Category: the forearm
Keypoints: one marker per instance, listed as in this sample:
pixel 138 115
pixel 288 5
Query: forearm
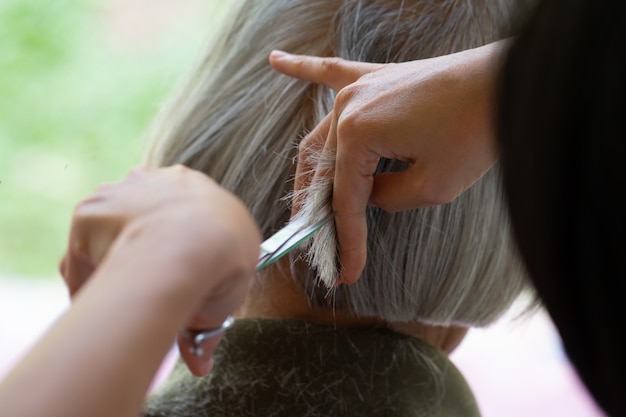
pixel 173 250
pixel 100 357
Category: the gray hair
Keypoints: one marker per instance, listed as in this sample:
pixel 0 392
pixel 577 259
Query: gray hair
pixel 239 121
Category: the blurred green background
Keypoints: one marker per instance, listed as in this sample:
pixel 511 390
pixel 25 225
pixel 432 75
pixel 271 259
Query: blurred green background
pixel 80 81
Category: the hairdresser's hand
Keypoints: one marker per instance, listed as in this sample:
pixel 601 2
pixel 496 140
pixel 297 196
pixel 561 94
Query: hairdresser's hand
pixel 184 231
pixel 434 114
pixel 160 251
pixel 99 219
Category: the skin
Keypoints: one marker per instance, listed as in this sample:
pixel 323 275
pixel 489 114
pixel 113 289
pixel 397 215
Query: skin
pixel 434 114
pixel 147 257
pixel 275 294
pixel 160 251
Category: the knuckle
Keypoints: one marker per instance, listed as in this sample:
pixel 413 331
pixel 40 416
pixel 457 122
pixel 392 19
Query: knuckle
pixel 178 172
pixel 304 150
pixel 102 194
pixel 299 66
pixel 349 128
pixel 330 65
pixel 345 96
pixel 311 144
pixel 84 209
pixel 179 168
pixel 306 143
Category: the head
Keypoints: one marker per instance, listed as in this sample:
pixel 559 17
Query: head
pixel 240 122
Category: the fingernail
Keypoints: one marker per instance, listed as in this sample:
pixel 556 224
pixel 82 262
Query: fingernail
pixel 278 54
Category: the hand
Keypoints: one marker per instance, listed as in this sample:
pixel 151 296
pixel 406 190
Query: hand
pixel 169 219
pixel 434 114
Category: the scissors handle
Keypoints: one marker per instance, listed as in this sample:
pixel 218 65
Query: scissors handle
pixel 197 337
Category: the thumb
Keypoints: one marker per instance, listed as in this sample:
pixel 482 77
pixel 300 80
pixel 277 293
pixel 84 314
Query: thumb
pixel 335 73
pixel 199 361
pixel 404 190
pixel 196 347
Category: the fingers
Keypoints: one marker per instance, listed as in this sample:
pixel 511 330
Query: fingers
pixel 88 243
pixel 353 182
pixel 311 145
pixel 351 193
pixel 75 270
pixel 96 223
pixel 353 172
pixel 335 73
pixel 199 363
pixel 196 348
pixel 349 215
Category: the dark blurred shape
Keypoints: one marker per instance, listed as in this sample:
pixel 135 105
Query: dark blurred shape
pixel 561 127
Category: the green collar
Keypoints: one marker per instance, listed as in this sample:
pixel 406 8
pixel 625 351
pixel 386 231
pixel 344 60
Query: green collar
pixel 286 368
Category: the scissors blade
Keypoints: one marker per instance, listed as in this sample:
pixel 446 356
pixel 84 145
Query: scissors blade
pixel 278 245
pixel 287 239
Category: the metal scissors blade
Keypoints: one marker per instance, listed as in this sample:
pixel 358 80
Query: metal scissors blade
pixel 278 245
pixel 287 239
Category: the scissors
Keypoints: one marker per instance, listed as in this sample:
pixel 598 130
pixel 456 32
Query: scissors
pixel 275 247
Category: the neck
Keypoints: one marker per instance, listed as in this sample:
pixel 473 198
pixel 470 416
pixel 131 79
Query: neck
pixel 275 294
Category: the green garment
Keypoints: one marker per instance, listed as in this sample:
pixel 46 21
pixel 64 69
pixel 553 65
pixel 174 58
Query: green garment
pixel 292 368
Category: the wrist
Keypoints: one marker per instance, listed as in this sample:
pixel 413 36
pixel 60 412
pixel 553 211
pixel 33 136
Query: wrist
pixel 150 264
pixel 182 264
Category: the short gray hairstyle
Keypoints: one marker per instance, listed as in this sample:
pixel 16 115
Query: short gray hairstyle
pixel 238 120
